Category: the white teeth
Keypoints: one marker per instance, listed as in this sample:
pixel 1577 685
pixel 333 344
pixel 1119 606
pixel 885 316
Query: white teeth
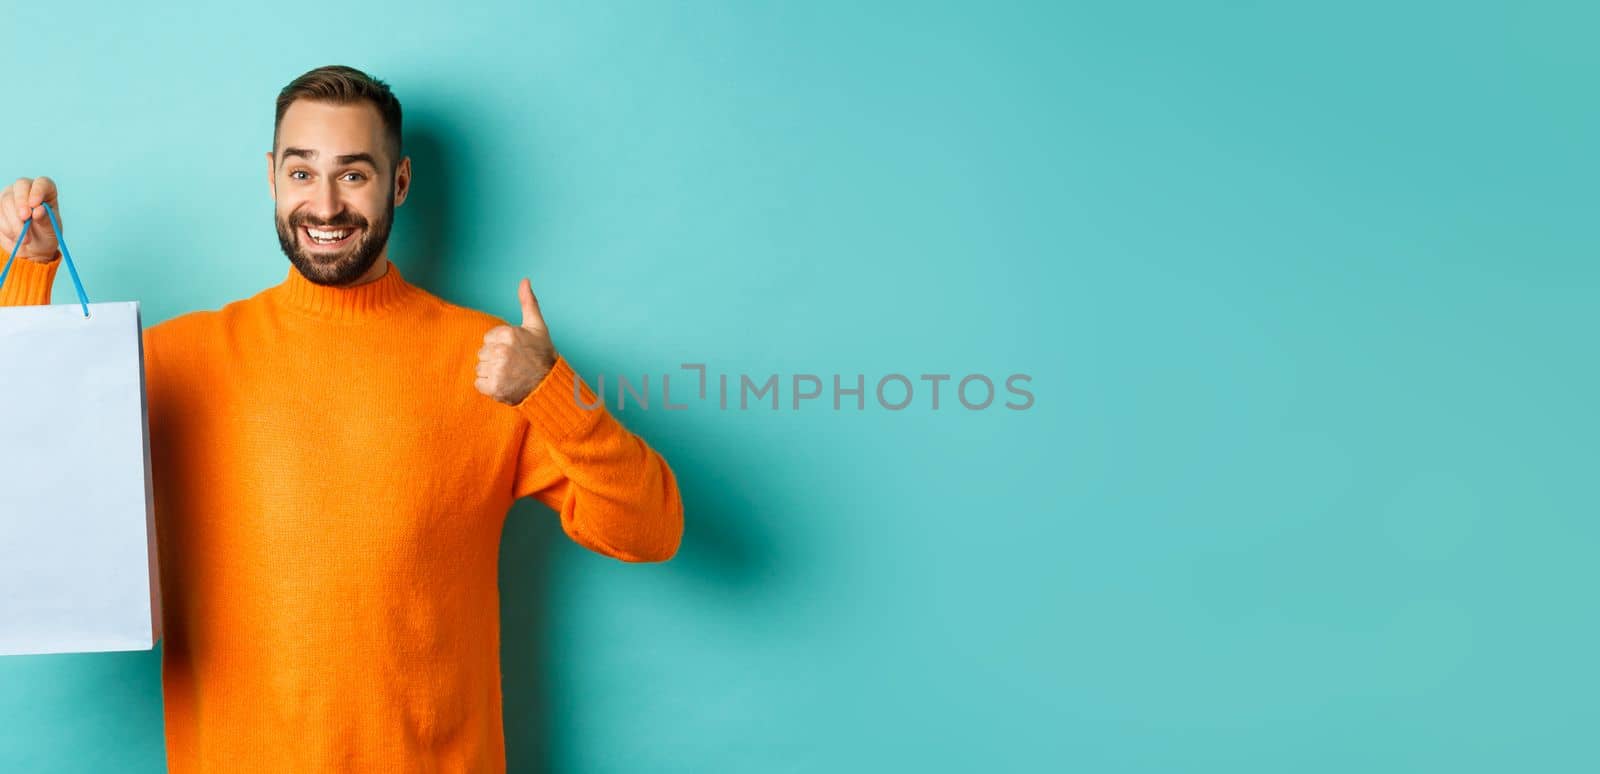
pixel 327 236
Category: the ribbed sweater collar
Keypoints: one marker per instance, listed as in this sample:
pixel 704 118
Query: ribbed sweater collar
pixel 344 304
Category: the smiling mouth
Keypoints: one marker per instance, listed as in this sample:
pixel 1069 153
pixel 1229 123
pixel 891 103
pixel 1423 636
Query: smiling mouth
pixel 328 237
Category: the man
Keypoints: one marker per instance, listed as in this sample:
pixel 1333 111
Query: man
pixel 333 460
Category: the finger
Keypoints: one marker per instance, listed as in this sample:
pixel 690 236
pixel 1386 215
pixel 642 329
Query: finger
pixel 19 195
pixel 42 218
pixel 10 224
pixel 531 316
pixel 43 190
pixel 499 334
pixel 41 228
pixel 17 214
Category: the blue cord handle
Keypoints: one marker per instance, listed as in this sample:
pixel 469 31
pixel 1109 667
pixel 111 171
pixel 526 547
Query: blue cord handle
pixel 83 298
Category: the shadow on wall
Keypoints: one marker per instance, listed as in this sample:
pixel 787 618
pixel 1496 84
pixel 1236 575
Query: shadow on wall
pixel 725 552
pixel 419 241
pixel 721 552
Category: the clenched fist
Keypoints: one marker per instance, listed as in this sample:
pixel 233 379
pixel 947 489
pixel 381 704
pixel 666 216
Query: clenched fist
pixel 20 201
pixel 514 360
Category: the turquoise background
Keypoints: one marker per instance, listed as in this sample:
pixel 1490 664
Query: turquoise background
pixel 1307 293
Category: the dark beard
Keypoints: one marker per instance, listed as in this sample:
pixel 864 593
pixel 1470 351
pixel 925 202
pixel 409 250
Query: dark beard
pixel 349 264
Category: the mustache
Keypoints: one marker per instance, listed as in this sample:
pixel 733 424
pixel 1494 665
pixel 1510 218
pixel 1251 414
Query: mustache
pixel 346 221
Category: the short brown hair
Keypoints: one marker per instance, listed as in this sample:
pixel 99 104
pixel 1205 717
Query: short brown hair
pixel 342 85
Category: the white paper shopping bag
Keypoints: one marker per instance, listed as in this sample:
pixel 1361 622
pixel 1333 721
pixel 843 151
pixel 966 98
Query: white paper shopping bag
pixel 78 567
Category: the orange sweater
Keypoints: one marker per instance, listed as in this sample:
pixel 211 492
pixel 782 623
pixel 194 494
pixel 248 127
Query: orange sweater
pixel 329 491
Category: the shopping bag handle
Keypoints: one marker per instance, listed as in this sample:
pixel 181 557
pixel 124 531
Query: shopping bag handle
pixel 83 298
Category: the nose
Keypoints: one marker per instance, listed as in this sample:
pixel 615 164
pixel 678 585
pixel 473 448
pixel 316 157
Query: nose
pixel 325 202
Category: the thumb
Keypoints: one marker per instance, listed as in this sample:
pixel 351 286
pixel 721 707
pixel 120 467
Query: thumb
pixel 531 317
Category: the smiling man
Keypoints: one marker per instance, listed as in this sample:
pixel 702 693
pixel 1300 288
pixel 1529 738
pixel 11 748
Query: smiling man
pixel 334 458
pixel 327 243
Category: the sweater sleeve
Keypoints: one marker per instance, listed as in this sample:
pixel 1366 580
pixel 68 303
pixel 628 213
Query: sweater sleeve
pixel 615 495
pixel 29 282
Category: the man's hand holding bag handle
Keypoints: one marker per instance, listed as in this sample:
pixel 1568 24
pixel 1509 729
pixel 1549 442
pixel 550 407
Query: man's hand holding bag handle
pixel 20 207
pixel 22 201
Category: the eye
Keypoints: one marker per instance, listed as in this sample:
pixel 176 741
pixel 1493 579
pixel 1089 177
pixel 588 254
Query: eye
pixel 298 172
pixel 356 175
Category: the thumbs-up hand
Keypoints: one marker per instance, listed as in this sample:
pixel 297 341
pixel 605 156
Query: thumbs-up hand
pixel 514 359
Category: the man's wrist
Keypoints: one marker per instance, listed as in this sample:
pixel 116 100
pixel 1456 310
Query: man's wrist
pixel 41 259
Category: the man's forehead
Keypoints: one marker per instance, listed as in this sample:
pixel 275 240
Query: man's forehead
pixel 325 130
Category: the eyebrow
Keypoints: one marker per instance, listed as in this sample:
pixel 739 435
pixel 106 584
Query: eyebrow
pixel 307 153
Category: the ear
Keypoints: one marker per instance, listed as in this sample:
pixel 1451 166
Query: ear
pixel 272 179
pixel 402 181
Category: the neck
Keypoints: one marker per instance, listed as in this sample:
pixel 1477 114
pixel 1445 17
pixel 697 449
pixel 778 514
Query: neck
pixel 376 293
pixel 379 268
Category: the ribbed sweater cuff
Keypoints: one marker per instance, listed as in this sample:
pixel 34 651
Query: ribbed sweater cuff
pixel 29 282
pixel 553 406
